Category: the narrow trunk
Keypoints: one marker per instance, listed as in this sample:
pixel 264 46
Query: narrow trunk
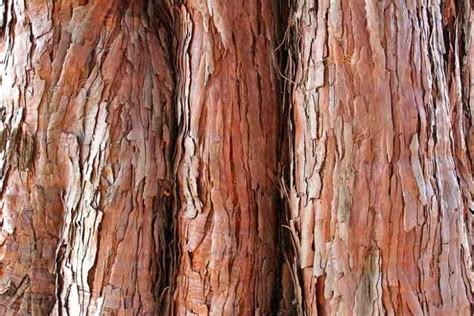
pixel 226 158
pixel 378 180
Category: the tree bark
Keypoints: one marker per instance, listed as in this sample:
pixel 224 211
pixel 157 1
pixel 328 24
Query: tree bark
pixel 379 177
pixel 85 157
pixel 191 157
pixel 226 158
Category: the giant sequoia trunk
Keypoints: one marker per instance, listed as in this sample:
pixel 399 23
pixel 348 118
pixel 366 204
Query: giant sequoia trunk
pixel 236 157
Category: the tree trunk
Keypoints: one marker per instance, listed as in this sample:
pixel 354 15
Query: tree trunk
pixel 86 150
pixel 226 158
pixel 218 157
pixel 379 178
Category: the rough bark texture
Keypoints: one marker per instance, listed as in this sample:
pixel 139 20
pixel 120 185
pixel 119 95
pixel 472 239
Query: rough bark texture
pixel 379 177
pixel 150 149
pixel 85 148
pixel 226 158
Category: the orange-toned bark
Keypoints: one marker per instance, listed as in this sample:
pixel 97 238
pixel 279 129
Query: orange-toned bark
pixel 379 179
pixel 86 102
pixel 150 149
pixel 226 158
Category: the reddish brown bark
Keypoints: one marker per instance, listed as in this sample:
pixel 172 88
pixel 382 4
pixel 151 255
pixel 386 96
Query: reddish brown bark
pixel 150 149
pixel 379 179
pixel 226 158
pixel 86 173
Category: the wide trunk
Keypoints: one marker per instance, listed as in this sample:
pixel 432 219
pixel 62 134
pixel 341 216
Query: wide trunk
pixel 378 177
pixel 85 163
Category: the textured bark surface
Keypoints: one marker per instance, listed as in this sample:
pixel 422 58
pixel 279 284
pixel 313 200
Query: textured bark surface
pixel 86 105
pixel 226 158
pixel 191 157
pixel 379 176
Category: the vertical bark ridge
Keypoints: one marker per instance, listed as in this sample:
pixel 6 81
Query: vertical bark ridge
pixel 31 203
pixel 226 157
pixel 375 209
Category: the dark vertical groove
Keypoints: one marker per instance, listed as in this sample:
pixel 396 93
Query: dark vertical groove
pixel 280 60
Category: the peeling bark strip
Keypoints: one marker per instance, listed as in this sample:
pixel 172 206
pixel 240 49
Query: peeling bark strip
pixel 227 114
pixel 85 157
pixel 379 176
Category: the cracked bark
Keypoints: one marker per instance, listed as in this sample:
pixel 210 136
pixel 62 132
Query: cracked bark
pixel 86 147
pixel 379 175
pixel 225 159
pixel 149 151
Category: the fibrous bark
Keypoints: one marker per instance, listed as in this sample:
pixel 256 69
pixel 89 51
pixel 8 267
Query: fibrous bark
pixel 226 159
pixel 86 175
pixel 379 177
pixel 236 157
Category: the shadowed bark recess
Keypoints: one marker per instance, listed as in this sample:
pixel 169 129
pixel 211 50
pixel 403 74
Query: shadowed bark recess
pixel 379 177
